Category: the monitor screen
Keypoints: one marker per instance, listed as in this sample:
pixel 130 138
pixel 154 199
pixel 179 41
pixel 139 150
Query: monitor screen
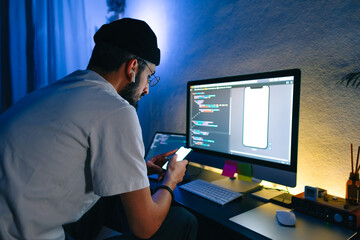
pixel 163 142
pixel 249 118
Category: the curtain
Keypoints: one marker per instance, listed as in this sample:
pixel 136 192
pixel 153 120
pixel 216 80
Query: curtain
pixel 41 41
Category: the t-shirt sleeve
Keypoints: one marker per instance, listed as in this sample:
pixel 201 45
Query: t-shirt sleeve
pixel 117 154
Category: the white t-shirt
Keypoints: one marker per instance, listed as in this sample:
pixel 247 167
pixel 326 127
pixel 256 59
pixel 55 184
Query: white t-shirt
pixel 61 148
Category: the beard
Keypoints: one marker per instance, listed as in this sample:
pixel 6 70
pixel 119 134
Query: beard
pixel 129 92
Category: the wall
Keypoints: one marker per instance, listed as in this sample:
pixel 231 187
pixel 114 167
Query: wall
pixel 206 39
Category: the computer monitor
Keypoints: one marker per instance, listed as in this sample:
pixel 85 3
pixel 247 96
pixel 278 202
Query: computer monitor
pixel 163 142
pixel 250 118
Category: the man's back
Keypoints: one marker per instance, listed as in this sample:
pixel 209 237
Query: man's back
pixel 47 166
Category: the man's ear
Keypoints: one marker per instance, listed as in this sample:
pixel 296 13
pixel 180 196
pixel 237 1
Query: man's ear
pixel 131 69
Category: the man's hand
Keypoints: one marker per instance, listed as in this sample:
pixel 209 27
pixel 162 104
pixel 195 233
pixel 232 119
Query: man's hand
pixel 175 172
pixel 154 164
pixel 145 213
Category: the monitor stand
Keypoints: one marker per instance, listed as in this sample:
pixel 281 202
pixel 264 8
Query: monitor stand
pixel 236 185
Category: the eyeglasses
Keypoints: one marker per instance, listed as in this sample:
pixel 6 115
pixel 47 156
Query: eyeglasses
pixel 153 80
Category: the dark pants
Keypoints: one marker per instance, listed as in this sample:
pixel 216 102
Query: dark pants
pixel 108 211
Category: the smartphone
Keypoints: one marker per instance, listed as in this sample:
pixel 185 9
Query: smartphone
pixel 256 117
pixel 181 153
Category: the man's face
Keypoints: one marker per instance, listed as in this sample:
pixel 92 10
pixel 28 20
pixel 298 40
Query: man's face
pixel 133 92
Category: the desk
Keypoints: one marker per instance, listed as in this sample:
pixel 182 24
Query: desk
pixel 214 219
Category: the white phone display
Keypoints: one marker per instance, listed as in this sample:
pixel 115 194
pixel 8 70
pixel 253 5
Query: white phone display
pixel 256 117
pixel 181 153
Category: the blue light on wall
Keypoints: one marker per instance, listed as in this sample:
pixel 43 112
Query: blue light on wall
pixel 207 39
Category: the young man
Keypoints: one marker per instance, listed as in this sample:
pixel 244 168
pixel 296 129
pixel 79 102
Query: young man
pixel 66 145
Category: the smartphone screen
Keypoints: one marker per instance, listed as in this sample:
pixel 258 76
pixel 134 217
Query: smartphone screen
pixel 181 153
pixel 256 117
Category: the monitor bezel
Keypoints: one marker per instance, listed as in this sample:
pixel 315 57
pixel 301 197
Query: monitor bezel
pixel 295 121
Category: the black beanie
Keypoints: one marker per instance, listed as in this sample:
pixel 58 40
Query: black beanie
pixel 132 35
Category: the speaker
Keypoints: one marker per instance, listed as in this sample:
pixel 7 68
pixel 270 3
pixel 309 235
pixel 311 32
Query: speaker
pixel 329 208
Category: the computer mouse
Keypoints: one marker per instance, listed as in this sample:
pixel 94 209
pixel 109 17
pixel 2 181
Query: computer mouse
pixel 286 217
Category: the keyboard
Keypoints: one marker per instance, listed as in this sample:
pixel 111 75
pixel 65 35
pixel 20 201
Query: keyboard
pixel 210 191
